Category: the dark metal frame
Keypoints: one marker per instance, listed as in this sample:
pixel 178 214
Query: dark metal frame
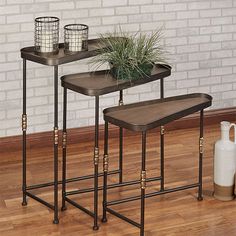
pixel 26 188
pixel 143 180
pixel 29 54
pixel 96 174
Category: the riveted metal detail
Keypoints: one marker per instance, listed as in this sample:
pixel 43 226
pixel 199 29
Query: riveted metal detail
pixel 201 145
pixel 64 139
pixel 24 122
pixel 96 156
pixel 105 163
pixel 121 103
pixel 143 180
pixel 56 135
pixel 162 130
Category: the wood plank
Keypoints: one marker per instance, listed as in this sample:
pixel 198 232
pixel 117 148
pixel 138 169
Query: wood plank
pixel 172 214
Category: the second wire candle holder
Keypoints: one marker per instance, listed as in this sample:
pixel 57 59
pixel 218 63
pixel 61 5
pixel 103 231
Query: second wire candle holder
pixel 75 38
pixel 46 35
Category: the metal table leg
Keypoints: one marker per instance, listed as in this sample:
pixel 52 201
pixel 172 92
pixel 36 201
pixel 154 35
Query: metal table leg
pixel 24 127
pixel 56 138
pixel 121 143
pixel 162 133
pixel 64 146
pixel 96 160
pixel 105 170
pixel 143 183
pixel 201 141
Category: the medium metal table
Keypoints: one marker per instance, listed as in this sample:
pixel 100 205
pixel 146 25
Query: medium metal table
pixel 96 84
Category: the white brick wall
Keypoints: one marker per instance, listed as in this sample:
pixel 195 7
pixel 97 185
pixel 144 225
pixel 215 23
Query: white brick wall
pixel 200 36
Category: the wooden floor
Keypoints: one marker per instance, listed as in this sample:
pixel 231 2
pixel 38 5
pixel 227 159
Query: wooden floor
pixel 171 214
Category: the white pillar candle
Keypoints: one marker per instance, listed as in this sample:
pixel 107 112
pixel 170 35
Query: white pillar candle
pixel 46 42
pixel 75 43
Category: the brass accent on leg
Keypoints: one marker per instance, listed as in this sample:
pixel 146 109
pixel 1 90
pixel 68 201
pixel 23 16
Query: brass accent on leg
pixel 201 145
pixel 105 163
pixel 121 103
pixel 162 130
pixel 64 139
pixel 143 179
pixel 24 122
pixel 56 135
pixel 96 156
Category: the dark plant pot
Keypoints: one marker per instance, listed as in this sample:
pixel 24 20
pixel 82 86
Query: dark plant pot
pixel 121 74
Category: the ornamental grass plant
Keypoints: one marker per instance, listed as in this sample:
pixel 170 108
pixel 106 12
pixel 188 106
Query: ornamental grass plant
pixel 130 56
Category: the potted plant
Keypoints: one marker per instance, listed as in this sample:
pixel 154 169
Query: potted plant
pixel 130 56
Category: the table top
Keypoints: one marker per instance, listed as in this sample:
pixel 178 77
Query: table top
pixel 102 82
pixel 61 57
pixel 146 115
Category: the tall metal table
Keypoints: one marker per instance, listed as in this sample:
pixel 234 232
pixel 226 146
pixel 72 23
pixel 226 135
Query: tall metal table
pixel 96 84
pixel 29 54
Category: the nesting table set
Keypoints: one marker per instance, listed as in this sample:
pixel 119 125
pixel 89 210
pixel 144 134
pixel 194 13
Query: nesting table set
pixel 142 116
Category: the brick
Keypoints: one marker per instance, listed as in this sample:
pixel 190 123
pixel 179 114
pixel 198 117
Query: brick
pixel 127 10
pixel 199 56
pixel 210 13
pixel 221 37
pixel 88 4
pixel 152 8
pixel 221 4
pixel 20 18
pixel 210 80
pixel 199 22
pixel 221 21
pixel 113 3
pixel 187 31
pixel 31 8
pixel 176 24
pixel 80 13
pixel 187 14
pixel 140 18
pixel 210 30
pixel 197 5
pixel 102 12
pixel 210 63
pixel 210 46
pixel 176 7
pixel 164 16
pixel 187 66
pixel 199 89
pixel 187 49
pixel 199 39
pixel 9 85
pixel 139 2
pixel 61 6
pixel 229 12
pixel 114 20
pixel 228 28
pixel 221 88
pixel 9 28
pixel 199 73
pixel 187 83
pixel 229 61
pixel 176 41
pixel 9 10
pixel 9 66
pixel 221 54
pixel 222 71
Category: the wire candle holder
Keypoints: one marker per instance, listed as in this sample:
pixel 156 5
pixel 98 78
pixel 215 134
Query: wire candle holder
pixel 46 35
pixel 75 38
